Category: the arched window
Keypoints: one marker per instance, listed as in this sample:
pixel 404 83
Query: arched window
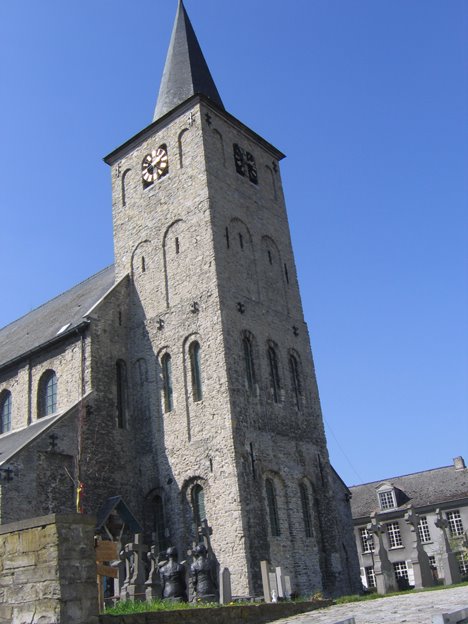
pixel 159 525
pixel 5 411
pixel 305 504
pixel 249 363
pixel 122 394
pixel 272 507
pixel 295 380
pixel 195 370
pixel 166 363
pixel 47 394
pixel 198 504
pixel 274 373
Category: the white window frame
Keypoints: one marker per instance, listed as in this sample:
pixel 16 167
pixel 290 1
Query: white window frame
pixel 367 541
pixel 455 523
pixel 423 530
pixel 386 497
pixel 394 535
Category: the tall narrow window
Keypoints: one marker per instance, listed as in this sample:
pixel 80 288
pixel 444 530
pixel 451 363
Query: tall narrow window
pixel 274 374
pixel 394 535
pixel 305 510
pixel 122 394
pixel 198 504
pixel 295 381
pixel 423 529
pixel 166 363
pixel 272 507
pixel 455 523
pixel 195 369
pixel 5 412
pixel 249 363
pixel 47 394
pixel 159 525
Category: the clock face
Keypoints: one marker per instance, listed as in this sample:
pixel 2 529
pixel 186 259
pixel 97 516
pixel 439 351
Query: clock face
pixel 148 169
pixel 155 165
pixel 161 161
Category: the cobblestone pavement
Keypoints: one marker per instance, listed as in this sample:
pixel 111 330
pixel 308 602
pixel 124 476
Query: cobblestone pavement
pixel 410 608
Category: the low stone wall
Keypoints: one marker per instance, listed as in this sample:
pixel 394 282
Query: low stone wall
pixel 248 614
pixel 48 571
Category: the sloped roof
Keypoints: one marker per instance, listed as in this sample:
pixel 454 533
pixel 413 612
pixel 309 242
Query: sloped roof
pixel 13 442
pixel 44 323
pixel 117 503
pixel 429 488
pixel 186 72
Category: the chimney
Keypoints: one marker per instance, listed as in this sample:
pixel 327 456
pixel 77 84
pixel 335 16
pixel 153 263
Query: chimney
pixel 459 463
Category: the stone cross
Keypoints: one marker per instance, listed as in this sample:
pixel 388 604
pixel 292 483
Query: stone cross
pixel 412 519
pixel 448 559
pixel 205 532
pixel 383 569
pixel 153 582
pixel 423 576
pixel 134 553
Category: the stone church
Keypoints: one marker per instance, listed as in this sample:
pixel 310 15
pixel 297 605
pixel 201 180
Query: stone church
pixel 181 378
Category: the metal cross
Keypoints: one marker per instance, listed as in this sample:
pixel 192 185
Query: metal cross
pixel 8 474
pixel 208 119
pixel 195 307
pixel 275 167
pixel 191 119
pixel 53 441
pixel 160 324
pixel 241 307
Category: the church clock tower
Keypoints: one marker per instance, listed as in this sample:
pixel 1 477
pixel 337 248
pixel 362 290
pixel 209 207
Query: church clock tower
pixel 230 424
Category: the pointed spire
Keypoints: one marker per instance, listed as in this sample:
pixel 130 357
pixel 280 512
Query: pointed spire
pixel 186 72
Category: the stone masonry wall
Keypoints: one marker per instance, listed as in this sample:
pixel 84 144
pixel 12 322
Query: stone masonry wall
pixel 48 571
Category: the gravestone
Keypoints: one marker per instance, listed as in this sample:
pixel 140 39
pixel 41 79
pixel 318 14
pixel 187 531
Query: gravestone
pixel 419 558
pixel 273 586
pixel 448 559
pixel 383 569
pixel 287 587
pixel 265 569
pixel 225 592
pixel 279 582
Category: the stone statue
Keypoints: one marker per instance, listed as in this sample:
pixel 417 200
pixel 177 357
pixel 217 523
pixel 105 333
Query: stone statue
pixel 202 576
pixel 173 577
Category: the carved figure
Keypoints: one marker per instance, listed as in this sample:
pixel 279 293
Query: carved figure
pixel 202 575
pixel 173 577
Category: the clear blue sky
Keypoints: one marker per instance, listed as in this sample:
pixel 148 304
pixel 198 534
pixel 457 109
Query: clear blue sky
pixel 368 98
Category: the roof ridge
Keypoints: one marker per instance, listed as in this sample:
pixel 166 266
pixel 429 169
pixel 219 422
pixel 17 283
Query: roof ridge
pixel 56 297
pixel 409 474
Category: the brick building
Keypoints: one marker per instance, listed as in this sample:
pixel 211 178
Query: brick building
pixel 434 495
pixel 180 378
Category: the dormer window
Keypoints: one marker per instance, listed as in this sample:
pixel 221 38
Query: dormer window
pixel 386 496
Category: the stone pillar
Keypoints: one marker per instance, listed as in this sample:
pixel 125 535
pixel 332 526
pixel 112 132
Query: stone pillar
pixel 48 571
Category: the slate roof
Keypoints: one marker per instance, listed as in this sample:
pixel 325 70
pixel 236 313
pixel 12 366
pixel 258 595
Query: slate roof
pixel 186 72
pixel 43 324
pixel 429 488
pixel 11 443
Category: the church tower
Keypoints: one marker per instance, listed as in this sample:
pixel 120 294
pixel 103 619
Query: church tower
pixel 229 423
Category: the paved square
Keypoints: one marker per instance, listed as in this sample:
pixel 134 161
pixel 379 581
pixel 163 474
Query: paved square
pixel 412 608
